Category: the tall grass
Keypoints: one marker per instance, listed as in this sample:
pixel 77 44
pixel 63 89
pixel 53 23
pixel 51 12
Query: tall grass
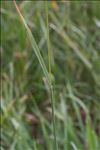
pixel 46 72
pixel 50 76
pixel 63 42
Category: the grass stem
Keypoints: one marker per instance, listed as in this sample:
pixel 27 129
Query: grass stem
pixel 50 75
pixel 42 63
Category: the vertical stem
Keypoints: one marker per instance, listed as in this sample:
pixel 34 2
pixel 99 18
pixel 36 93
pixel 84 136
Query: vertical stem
pixel 48 39
pixel 41 61
pixel 51 85
pixel 53 118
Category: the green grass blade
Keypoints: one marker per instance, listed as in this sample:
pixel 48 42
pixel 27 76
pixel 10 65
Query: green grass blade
pixel 41 61
pixel 34 45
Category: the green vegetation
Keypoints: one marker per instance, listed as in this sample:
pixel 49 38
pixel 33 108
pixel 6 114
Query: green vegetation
pixel 50 61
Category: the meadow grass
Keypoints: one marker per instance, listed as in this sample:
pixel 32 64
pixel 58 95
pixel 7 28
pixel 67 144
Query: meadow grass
pixel 50 77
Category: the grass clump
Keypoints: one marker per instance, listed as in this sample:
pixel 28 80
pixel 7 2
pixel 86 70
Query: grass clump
pixel 66 91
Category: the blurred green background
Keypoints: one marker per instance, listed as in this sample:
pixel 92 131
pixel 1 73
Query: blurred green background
pixel 26 122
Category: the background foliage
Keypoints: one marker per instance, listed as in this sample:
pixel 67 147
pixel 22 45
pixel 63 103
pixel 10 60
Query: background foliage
pixel 26 120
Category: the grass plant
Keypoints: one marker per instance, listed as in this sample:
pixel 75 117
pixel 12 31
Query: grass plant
pixel 50 75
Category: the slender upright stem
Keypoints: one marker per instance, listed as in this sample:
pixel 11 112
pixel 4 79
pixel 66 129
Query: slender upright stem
pixel 50 73
pixel 42 63
pixel 48 39
pixel 53 118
